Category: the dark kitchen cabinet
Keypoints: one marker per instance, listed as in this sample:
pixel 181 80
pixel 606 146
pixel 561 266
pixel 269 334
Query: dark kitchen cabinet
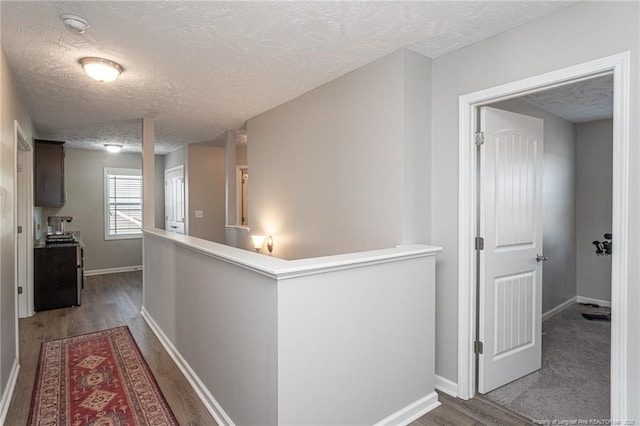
pixel 49 173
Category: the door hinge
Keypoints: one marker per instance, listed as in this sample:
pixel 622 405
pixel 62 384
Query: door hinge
pixel 20 290
pixel 479 243
pixel 19 168
pixel 478 347
pixel 19 229
pixel 479 138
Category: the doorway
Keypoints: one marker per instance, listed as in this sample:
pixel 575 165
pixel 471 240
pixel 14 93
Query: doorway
pixel 24 223
pixel 571 370
pixel 174 199
pixel 618 65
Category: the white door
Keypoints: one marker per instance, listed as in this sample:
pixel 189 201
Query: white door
pixel 174 207
pixel 510 287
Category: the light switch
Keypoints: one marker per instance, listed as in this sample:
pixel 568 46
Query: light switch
pixel 199 214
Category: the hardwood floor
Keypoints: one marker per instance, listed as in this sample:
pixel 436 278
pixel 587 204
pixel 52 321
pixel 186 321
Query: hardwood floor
pixel 476 411
pixel 107 301
pixel 115 299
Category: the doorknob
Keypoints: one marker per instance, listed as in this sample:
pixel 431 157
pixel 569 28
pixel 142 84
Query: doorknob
pixel 541 258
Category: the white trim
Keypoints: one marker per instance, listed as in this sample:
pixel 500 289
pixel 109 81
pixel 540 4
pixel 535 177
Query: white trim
pixel 5 402
pixel 620 66
pixel 22 144
pixel 240 227
pixel 184 199
pixel 112 270
pixel 412 412
pixel 604 303
pixel 281 269
pixel 561 307
pixel 239 169
pixel 447 386
pixel 119 171
pixel 210 403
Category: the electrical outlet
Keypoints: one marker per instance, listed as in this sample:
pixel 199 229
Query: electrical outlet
pixel 199 214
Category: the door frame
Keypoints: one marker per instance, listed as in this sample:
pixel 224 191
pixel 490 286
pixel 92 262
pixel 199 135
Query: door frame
pixel 239 195
pixel 619 66
pixel 24 202
pixel 24 259
pixel 184 194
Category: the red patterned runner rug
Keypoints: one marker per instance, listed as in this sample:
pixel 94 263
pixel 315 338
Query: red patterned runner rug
pixel 96 379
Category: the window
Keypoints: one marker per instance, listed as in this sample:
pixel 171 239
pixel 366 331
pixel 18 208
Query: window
pixel 123 203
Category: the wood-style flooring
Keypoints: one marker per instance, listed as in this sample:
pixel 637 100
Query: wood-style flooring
pixel 107 301
pixel 115 299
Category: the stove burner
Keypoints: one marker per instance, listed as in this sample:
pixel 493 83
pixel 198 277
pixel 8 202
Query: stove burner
pixel 60 238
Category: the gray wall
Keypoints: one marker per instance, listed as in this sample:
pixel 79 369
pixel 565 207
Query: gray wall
pixel 204 181
pixel 594 200
pixel 559 204
pixel 11 108
pixel 84 183
pixel 206 192
pixel 577 34
pixel 337 169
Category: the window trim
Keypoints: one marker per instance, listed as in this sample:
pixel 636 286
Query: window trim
pixel 117 171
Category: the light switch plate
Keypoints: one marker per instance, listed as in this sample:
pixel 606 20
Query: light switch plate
pixel 199 214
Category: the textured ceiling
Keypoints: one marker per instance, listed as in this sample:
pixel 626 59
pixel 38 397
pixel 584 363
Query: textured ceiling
pixel 580 102
pixel 203 67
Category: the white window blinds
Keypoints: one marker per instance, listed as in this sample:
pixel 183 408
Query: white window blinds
pixel 123 201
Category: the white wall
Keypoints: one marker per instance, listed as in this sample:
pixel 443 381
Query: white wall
pixel 84 184
pixel 559 204
pixel 594 199
pixel 11 108
pixel 355 346
pixel 577 34
pixel 223 321
pixel 341 340
pixel 337 169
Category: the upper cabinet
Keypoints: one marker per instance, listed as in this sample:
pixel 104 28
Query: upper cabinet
pixel 49 173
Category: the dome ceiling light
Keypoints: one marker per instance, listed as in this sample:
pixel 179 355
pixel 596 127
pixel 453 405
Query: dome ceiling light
pixel 100 69
pixel 112 147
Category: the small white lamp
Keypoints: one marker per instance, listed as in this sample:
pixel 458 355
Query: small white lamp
pixel 258 241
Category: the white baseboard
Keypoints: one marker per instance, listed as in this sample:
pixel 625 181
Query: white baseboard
pixel 605 303
pixel 113 270
pixel 412 411
pixel 201 390
pixel 561 307
pixel 447 386
pixel 5 401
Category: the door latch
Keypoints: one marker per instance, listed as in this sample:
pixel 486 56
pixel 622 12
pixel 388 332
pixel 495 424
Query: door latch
pixel 541 258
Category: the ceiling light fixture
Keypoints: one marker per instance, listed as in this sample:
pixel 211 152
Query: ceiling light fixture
pixel 75 23
pixel 112 147
pixel 100 69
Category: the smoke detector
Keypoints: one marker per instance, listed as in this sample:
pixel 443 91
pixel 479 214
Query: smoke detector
pixel 76 24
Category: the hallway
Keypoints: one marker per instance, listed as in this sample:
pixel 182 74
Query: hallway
pixel 107 301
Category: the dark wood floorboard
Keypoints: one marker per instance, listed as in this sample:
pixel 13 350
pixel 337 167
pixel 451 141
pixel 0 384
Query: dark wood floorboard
pixel 115 299
pixel 107 301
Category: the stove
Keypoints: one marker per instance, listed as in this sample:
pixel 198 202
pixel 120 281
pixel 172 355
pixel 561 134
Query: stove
pixel 64 238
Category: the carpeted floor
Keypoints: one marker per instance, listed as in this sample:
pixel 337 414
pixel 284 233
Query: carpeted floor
pixel 573 383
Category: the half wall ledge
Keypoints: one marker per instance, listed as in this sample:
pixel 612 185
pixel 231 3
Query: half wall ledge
pixel 345 339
